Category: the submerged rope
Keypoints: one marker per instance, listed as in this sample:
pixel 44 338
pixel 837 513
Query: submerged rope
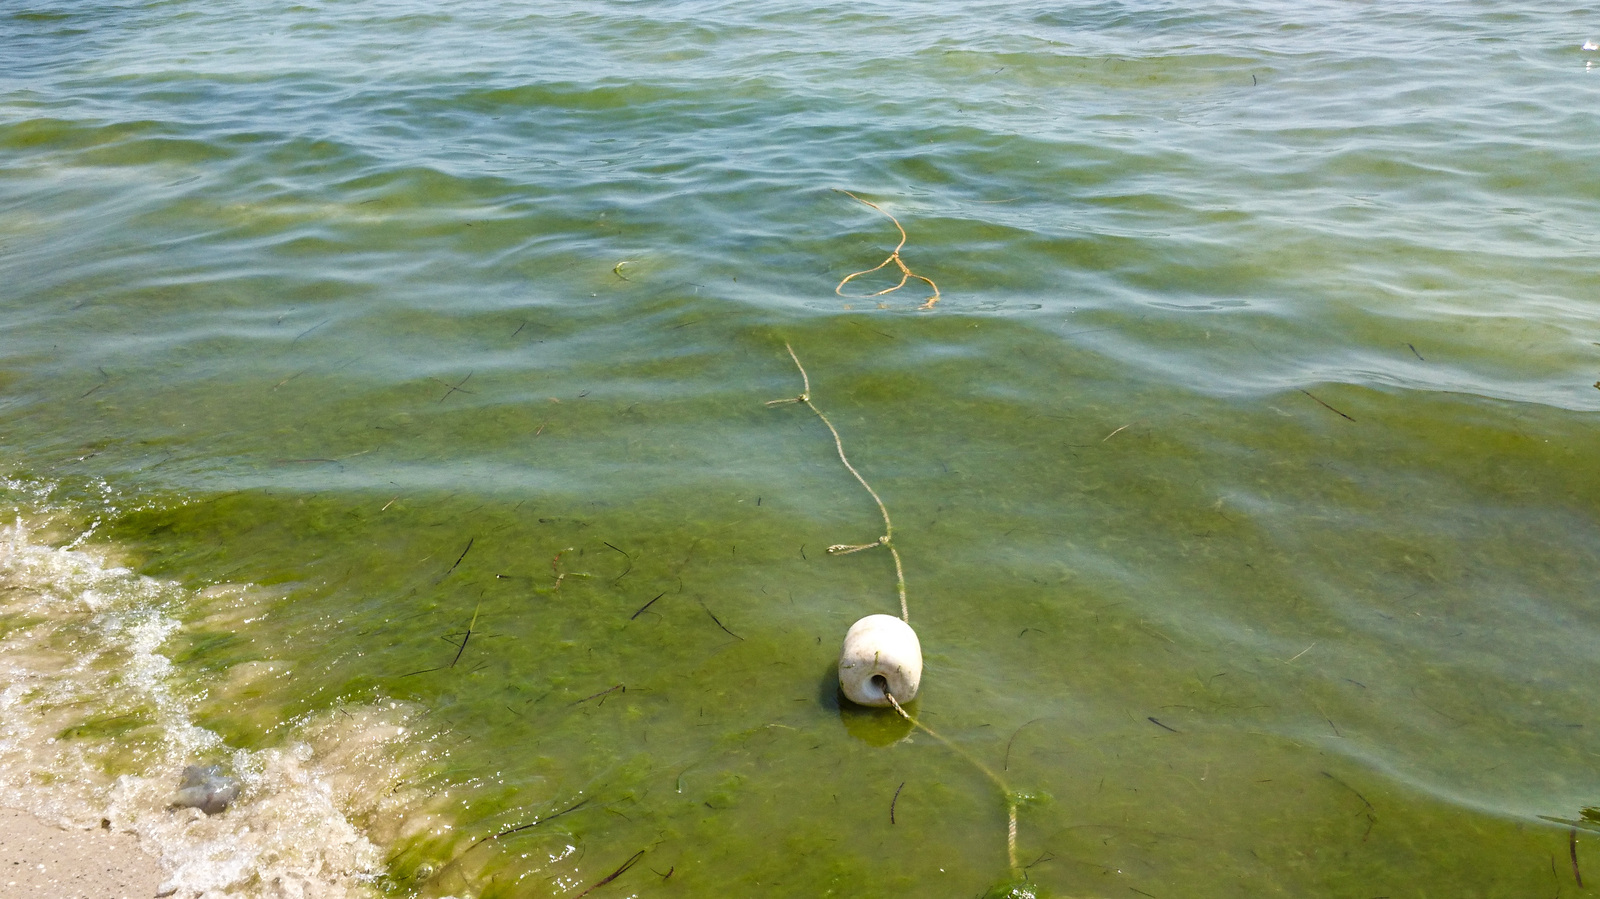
pixel 887 541
pixel 844 549
pixel 1011 800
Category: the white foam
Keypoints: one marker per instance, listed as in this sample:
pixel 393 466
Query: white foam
pixel 84 648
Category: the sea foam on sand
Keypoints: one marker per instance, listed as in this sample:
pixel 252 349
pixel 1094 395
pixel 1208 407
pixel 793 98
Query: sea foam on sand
pixel 96 728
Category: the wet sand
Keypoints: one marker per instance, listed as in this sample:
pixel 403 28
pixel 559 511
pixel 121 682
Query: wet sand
pixel 48 862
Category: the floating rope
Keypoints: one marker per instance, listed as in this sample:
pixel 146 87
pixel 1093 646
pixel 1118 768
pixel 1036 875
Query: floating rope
pixel 906 274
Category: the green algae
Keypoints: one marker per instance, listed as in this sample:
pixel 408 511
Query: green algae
pixel 665 651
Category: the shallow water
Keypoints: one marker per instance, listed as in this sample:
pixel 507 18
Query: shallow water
pixel 383 413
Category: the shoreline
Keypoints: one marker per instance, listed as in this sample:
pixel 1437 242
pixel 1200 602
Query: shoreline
pixel 96 810
pixel 40 859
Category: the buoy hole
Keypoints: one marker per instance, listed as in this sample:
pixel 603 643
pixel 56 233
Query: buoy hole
pixel 882 683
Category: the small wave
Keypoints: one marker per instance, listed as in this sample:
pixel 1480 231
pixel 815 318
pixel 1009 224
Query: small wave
pixel 96 725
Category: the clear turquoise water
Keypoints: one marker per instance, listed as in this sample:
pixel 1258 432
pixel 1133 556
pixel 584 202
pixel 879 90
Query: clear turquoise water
pixel 1239 470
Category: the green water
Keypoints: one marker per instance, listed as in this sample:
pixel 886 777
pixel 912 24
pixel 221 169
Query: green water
pixel 1238 472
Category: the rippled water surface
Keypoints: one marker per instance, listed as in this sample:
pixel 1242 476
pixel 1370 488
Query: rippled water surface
pixel 383 416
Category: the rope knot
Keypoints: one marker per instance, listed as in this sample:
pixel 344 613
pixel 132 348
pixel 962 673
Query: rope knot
pixel 845 549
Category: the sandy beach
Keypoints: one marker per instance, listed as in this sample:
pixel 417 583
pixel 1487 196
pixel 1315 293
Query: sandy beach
pixel 41 860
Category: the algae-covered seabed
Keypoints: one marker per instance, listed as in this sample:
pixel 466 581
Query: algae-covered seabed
pixel 1242 473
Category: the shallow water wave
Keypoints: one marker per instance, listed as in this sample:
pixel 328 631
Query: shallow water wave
pixel 96 726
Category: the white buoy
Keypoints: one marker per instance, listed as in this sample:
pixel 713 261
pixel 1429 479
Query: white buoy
pixel 880 651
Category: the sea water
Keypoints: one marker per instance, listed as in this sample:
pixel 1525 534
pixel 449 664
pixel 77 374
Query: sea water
pixel 383 419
